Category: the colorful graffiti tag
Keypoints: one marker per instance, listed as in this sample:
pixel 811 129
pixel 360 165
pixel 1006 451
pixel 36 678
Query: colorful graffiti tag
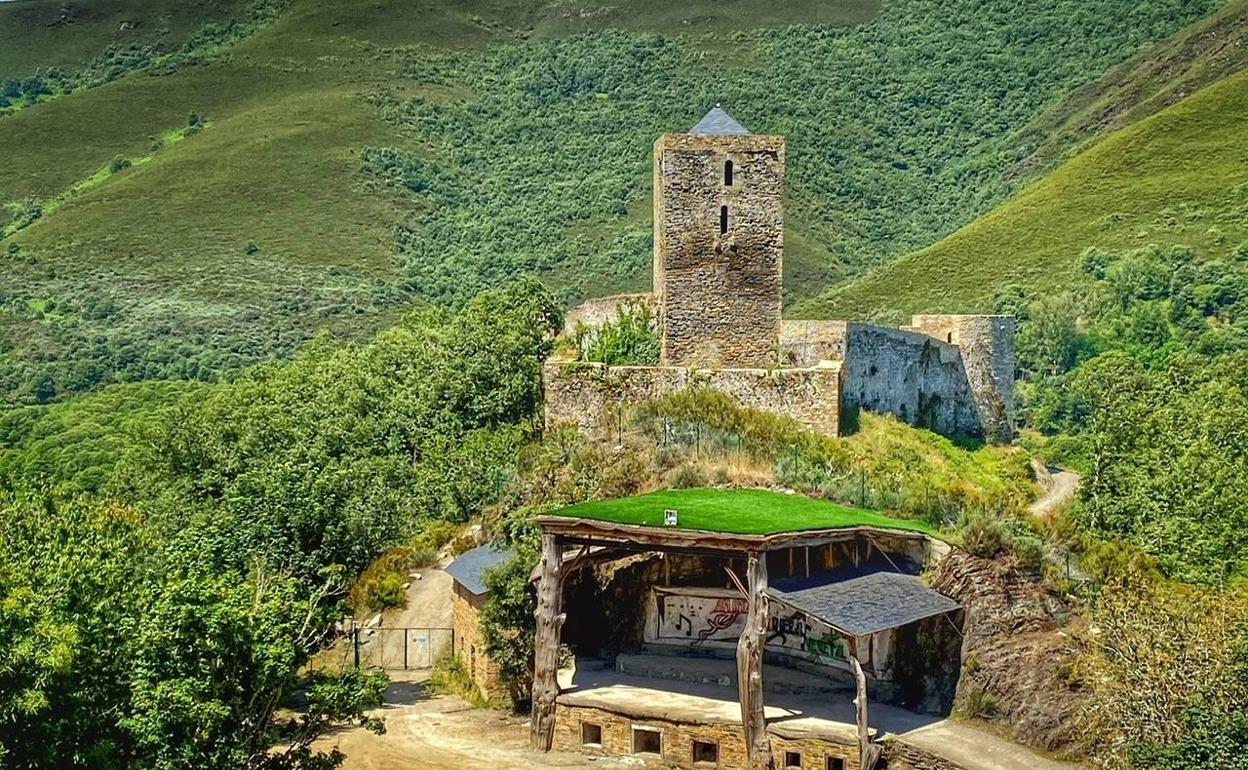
pixel 697 618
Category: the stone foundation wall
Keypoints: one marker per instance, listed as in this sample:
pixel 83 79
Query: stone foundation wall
pixel 596 398
pixel 899 755
pixel 678 738
pixel 470 645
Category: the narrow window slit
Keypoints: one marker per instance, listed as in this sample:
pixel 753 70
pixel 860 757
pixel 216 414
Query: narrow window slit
pixel 728 173
pixel 723 219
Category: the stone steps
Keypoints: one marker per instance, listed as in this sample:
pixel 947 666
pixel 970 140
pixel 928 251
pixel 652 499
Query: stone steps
pixel 723 673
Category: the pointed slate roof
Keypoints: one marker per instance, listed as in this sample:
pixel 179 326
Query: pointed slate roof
pixel 718 122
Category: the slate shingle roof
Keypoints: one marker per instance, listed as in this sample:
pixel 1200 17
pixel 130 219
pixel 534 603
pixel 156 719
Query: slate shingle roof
pixel 469 567
pixel 718 122
pixel 863 601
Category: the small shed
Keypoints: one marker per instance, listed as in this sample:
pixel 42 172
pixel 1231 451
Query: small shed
pixel 467 572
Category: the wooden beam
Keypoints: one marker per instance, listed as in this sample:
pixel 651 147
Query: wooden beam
pixel 868 752
pixel 607 533
pixel 750 665
pixel 550 618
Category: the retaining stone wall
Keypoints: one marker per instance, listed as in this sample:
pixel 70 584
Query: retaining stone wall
pixel 678 738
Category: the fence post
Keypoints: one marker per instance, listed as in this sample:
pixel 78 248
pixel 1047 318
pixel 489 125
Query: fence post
pixel 355 635
pixel 862 490
pixel 406 631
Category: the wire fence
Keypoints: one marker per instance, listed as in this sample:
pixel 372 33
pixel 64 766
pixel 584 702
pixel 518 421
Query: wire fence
pixel 399 649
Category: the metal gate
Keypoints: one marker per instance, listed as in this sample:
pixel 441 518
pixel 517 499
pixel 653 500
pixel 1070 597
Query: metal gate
pixel 401 649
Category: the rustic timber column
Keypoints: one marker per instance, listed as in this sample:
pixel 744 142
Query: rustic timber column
pixel 550 619
pixel 868 751
pixel 750 665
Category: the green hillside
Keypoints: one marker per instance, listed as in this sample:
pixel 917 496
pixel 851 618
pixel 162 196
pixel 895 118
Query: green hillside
pixel 360 158
pixel 37 34
pixel 1179 177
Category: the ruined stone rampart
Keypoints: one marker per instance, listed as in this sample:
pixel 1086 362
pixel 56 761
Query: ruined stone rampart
pixel 915 377
pixel 596 397
pixel 596 313
pixel 986 343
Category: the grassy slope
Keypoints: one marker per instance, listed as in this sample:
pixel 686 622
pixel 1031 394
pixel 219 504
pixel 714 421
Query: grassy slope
pixel 739 511
pixel 37 34
pixel 1199 55
pixel 1178 177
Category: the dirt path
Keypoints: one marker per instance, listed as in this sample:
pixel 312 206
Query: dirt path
pixel 428 602
pixel 1061 491
pixel 977 749
pixel 443 733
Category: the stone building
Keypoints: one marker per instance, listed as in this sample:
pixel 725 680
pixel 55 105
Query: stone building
pixel 718 257
pixel 468 595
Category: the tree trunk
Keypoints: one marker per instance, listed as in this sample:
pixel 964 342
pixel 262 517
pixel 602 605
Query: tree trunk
pixel 550 619
pixel 868 751
pixel 750 665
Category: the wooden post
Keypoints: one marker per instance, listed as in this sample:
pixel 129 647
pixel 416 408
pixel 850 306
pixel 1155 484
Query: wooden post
pixel 750 664
pixel 550 617
pixel 868 751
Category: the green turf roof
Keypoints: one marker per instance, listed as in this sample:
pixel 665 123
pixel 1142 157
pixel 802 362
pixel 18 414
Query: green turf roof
pixel 736 511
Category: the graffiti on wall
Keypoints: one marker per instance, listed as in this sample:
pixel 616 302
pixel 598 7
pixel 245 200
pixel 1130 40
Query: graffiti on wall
pixel 695 618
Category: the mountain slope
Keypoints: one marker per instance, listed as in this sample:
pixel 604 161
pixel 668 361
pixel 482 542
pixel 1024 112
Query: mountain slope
pixel 360 157
pixel 1178 177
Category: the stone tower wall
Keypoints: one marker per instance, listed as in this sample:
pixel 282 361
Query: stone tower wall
pixel 718 293
pixel 987 346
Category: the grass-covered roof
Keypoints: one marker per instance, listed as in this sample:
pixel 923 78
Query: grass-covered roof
pixel 735 511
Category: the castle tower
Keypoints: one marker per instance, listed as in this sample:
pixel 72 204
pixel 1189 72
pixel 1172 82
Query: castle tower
pixel 718 244
pixel 986 343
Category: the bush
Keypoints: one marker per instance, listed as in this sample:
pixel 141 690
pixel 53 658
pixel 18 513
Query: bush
pixel 630 340
pixel 118 164
pixel 983 536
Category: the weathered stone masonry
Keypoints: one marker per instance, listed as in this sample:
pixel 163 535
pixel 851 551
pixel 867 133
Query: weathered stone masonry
pixel 595 397
pixel 718 245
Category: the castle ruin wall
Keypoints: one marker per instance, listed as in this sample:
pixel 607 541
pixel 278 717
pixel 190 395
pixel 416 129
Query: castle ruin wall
pixel 919 379
pixel 596 398
pixel 986 343
pixel 806 343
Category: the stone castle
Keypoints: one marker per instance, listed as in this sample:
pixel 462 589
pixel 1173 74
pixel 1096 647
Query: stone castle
pixel 718 253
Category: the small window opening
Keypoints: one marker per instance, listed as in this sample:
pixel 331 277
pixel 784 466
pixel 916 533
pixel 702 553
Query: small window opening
pixel 647 741
pixel 591 734
pixel 706 751
pixel 728 173
pixel 723 219
pixel 949 338
pixel 835 763
pixel 792 759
